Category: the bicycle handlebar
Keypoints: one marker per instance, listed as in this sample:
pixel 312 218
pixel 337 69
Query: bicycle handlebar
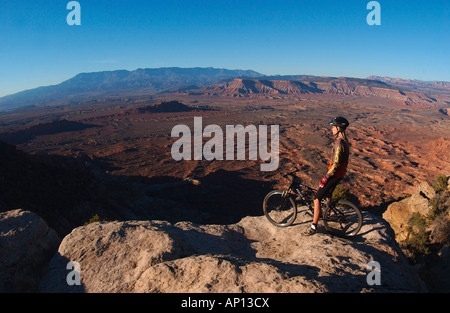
pixel 290 173
pixel 297 178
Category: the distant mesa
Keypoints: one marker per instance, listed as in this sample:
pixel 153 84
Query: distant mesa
pixel 165 107
pixel 261 87
pixel 413 84
pixel 161 107
pixel 257 87
pixel 311 85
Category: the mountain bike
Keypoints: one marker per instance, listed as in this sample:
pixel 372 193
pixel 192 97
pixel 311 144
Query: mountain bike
pixel 340 217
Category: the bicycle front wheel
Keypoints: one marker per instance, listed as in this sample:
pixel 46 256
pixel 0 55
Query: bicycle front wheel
pixel 279 208
pixel 343 219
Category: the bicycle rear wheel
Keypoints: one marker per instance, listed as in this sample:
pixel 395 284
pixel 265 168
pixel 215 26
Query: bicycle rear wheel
pixel 343 219
pixel 279 208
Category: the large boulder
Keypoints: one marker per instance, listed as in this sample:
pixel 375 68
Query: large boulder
pixel 26 246
pixel 399 213
pixel 250 256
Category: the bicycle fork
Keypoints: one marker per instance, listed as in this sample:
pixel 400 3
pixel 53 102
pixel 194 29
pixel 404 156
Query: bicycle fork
pixel 285 196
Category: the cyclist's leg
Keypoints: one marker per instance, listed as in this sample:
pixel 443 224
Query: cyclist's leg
pixel 327 189
pixel 322 192
pixel 335 181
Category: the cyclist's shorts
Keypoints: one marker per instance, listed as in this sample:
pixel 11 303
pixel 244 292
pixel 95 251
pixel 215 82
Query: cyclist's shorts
pixel 328 188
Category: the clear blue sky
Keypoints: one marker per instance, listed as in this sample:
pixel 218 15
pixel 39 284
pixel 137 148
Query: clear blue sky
pixel 317 37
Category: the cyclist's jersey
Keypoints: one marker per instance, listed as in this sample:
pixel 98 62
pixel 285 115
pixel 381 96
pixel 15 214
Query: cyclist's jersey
pixel 339 157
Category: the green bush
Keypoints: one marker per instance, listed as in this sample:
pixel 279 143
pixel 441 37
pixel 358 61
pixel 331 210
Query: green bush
pixel 428 233
pixel 417 242
pixel 440 183
pixel 340 192
pixel 439 204
pixel 95 219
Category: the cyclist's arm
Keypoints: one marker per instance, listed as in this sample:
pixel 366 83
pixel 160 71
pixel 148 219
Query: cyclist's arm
pixel 337 159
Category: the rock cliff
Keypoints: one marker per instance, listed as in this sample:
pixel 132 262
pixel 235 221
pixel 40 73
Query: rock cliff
pixel 398 213
pixel 249 256
pixel 421 224
pixel 240 87
pixel 26 246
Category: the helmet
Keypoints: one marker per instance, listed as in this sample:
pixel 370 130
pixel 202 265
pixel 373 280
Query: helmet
pixel 339 121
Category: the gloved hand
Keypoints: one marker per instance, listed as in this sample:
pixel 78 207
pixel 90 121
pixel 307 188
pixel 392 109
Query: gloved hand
pixel 323 181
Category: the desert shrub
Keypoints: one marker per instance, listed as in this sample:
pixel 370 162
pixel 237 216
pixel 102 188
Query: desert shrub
pixel 428 234
pixel 440 183
pixel 417 223
pixel 95 219
pixel 340 192
pixel 439 204
pixel 440 229
pixel 417 242
pixel 439 217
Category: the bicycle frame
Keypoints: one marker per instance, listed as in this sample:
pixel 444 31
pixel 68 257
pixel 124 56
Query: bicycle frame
pixel 295 185
pixel 341 217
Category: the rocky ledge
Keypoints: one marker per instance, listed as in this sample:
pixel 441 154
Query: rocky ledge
pixel 249 256
pixel 26 246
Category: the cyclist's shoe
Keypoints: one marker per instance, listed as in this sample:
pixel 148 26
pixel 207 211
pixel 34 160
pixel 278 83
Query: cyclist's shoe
pixel 309 232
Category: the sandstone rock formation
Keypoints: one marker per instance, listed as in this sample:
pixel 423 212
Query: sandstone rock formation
pixel 422 228
pixel 26 246
pixel 314 85
pixel 399 213
pixel 249 256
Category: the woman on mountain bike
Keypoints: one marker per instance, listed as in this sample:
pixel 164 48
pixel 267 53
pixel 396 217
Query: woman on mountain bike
pixel 336 169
